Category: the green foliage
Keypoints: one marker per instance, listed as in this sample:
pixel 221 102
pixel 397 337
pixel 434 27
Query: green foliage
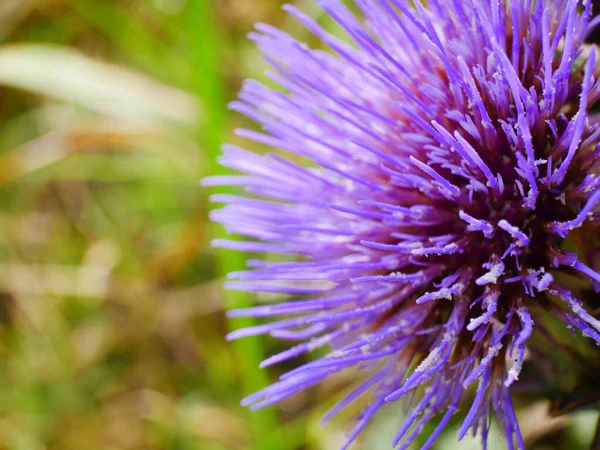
pixel 112 318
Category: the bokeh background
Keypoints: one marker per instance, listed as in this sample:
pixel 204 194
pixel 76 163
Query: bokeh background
pixel 111 313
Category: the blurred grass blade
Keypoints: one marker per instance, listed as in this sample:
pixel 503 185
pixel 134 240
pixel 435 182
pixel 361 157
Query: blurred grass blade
pixel 71 76
pixel 53 279
pixel 91 136
pixel 249 351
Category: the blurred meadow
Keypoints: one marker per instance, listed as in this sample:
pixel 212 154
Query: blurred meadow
pixel 111 312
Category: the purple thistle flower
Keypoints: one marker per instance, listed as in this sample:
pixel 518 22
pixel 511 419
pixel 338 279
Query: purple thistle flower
pixel 437 166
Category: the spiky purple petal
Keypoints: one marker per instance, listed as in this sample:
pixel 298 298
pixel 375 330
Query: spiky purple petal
pixel 433 171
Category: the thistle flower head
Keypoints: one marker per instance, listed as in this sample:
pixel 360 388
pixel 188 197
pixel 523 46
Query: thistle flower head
pixel 438 188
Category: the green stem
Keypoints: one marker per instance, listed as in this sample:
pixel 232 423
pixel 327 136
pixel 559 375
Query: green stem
pixel 206 45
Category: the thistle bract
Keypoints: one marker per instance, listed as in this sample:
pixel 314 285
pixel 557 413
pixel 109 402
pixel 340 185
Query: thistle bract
pixel 435 183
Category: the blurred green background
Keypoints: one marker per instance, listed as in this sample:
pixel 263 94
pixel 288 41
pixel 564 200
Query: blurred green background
pixel 111 313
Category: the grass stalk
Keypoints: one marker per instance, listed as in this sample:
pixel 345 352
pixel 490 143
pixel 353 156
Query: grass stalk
pixel 206 45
